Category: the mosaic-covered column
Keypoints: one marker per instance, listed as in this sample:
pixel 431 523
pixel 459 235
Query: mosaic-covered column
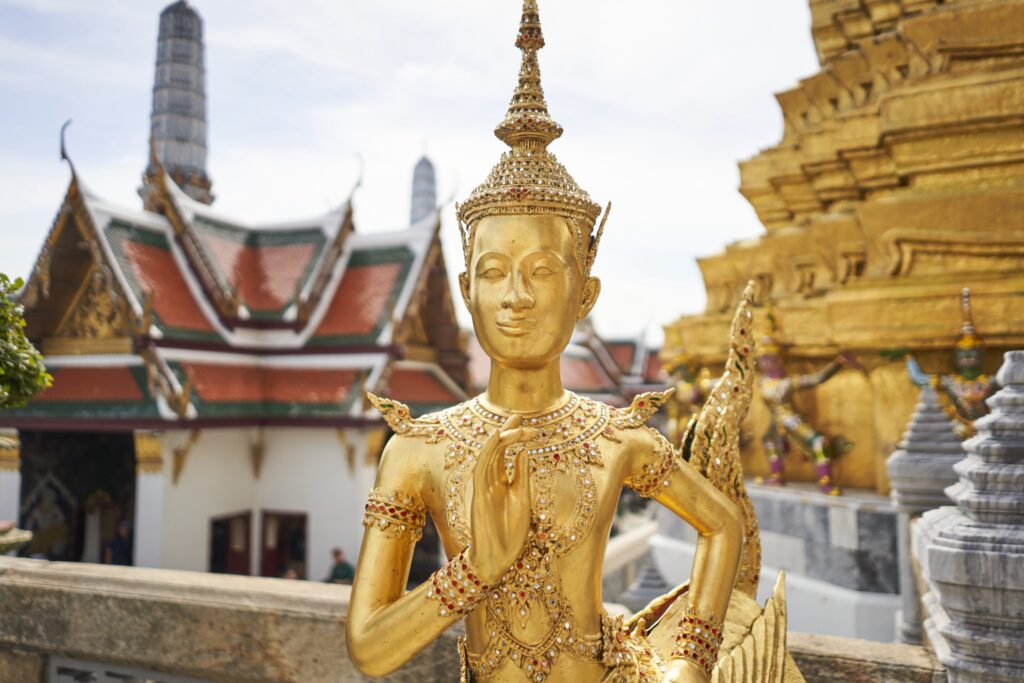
pixel 149 499
pixel 972 555
pixel 920 471
pixel 10 475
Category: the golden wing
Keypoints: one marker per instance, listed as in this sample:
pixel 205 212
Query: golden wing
pixel 759 656
pixel 712 438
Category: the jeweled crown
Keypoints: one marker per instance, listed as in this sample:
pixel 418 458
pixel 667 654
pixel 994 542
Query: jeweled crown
pixel 529 179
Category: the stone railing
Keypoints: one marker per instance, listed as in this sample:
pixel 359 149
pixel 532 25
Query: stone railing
pixel 59 621
pixel 205 627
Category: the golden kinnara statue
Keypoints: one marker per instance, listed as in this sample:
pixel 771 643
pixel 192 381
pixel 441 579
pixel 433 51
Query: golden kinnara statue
pixel 522 481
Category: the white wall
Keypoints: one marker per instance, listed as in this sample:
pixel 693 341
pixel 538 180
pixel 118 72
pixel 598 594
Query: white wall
pixel 304 471
pixel 10 495
pixel 217 480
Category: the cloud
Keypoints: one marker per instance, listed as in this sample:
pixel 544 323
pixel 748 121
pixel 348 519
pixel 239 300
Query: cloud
pixel 659 100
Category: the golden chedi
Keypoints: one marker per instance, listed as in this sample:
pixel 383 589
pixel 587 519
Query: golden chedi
pixel 898 181
pixel 522 481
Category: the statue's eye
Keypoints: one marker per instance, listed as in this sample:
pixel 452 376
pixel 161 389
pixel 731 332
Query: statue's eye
pixel 542 271
pixel 492 274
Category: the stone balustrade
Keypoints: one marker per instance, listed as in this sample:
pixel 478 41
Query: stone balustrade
pixel 176 627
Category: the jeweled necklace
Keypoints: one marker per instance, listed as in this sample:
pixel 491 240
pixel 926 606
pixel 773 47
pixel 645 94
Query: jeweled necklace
pixel 566 444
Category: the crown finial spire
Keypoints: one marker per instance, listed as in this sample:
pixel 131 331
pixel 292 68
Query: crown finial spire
pixel 968 336
pixel 528 125
pixel 528 179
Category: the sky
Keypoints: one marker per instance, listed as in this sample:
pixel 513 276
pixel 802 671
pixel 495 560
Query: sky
pixel 659 100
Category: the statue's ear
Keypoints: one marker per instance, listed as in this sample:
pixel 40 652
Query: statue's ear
pixel 464 287
pixel 591 290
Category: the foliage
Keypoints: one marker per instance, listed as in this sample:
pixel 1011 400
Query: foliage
pixel 22 374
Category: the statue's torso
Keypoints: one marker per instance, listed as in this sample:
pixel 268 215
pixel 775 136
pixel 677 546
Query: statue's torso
pixel 545 618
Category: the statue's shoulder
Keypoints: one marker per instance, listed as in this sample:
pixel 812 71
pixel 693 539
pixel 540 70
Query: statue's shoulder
pixel 640 410
pixel 403 424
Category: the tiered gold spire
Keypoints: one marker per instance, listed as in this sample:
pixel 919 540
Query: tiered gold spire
pixel 529 179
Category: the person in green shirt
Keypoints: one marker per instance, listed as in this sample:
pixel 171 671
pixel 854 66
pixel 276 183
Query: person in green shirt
pixel 341 571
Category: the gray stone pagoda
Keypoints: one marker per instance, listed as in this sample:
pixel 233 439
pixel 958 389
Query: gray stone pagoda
pixel 178 119
pixel 920 471
pixel 972 556
pixel 424 191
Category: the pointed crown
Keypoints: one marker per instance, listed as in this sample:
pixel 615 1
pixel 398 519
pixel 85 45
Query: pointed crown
pixel 769 344
pixel 969 339
pixel 528 179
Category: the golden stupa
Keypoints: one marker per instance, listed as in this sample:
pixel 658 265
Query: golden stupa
pixel 899 180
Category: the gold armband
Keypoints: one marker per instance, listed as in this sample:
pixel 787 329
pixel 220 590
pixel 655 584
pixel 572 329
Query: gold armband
pixel 396 514
pixel 654 476
pixel 457 587
pixel 698 640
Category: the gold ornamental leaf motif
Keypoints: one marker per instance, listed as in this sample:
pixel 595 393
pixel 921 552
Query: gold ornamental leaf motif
pixel 712 436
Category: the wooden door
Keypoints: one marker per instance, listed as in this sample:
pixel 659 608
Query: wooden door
pixel 229 544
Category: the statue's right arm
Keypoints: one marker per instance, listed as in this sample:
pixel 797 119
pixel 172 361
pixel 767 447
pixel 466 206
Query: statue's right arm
pixel 387 626
pixel 917 376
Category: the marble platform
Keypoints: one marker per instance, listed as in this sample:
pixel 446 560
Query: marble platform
pixel 839 554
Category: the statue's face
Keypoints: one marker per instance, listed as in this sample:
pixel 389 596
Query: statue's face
pixel 968 361
pixel 525 288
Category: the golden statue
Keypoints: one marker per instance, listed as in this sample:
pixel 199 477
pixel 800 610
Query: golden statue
pixel 962 394
pixel 522 481
pixel 692 383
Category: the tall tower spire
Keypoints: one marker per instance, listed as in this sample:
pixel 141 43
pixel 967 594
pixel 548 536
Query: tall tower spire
pixel 424 191
pixel 178 119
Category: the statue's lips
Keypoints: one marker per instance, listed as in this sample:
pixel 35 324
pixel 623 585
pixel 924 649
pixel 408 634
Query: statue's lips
pixel 517 328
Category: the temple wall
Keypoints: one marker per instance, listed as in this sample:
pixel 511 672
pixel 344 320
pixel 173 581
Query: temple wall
pixel 215 481
pixel 306 471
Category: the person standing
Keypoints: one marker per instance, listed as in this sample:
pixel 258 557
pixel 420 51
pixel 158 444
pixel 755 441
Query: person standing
pixel 341 570
pixel 120 549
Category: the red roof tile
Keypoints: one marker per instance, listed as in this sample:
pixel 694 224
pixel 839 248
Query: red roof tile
pixel 215 382
pixel 155 271
pixel 654 370
pixel 309 385
pixel 584 374
pixel 623 354
pixel 411 385
pixel 116 383
pixel 267 276
pixel 360 300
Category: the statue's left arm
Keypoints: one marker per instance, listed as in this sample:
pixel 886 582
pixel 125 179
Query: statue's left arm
pixel 660 473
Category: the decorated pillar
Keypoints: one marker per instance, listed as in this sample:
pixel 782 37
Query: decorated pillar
pixel 149 498
pixel 920 471
pixel 972 555
pixel 10 475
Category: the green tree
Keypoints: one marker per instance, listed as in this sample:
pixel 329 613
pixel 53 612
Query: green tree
pixel 22 374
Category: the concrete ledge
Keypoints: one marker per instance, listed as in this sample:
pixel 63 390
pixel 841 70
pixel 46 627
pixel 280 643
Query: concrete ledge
pixel 224 629
pixel 823 659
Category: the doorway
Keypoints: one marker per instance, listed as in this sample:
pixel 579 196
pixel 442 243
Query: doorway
pixel 76 488
pixel 283 545
pixel 229 544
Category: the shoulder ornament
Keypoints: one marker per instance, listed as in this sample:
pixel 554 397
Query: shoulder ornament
pixel 640 410
pixel 401 421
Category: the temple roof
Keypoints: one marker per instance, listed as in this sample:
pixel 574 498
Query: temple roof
pixel 180 314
